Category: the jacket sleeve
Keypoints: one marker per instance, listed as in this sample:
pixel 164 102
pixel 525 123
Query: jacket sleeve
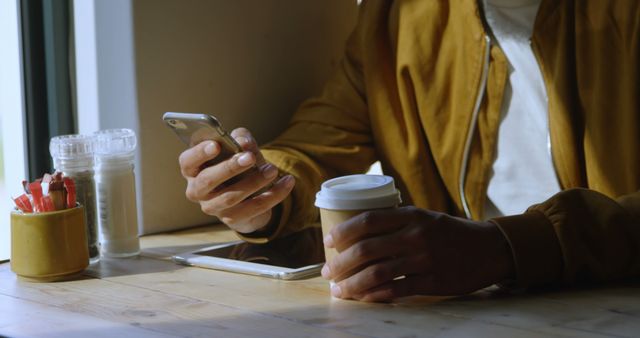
pixel 578 235
pixel 328 136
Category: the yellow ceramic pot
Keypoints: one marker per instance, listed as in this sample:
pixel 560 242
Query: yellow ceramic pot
pixel 49 246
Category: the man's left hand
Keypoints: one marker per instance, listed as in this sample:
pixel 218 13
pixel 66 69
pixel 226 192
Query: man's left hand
pixel 391 253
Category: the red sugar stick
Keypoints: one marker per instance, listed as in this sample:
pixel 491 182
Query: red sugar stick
pixel 36 193
pixel 23 203
pixel 47 204
pixel 70 186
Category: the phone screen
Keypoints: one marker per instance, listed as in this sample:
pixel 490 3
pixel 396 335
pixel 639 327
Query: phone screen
pixel 294 251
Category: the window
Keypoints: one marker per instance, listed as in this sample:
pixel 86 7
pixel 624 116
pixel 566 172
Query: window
pixel 4 233
pixel 12 136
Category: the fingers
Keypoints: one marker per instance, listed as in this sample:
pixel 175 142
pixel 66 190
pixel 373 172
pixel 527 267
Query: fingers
pixel 239 215
pixel 222 192
pixel 248 143
pixel 380 274
pixel 367 224
pixel 200 187
pixel 229 196
pixel 363 253
pixel 403 287
pixel 192 159
pixel 252 224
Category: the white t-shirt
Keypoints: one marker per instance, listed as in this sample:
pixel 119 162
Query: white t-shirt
pixel 523 172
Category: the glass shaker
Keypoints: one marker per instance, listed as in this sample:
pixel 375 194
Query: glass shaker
pixel 115 182
pixel 73 156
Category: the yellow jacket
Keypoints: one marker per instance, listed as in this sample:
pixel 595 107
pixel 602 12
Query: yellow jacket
pixel 420 89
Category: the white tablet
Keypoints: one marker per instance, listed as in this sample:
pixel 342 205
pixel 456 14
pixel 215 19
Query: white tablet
pixel 296 256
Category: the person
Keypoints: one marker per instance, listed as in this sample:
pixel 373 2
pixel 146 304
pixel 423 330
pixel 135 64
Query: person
pixel 512 129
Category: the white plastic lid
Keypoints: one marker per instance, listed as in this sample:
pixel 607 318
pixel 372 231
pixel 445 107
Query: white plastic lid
pixel 115 142
pixel 69 147
pixel 358 192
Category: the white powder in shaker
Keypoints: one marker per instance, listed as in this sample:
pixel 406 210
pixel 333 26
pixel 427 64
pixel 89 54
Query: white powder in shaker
pixel 115 183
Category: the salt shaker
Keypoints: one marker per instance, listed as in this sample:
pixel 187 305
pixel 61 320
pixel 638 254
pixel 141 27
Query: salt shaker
pixel 115 182
pixel 73 156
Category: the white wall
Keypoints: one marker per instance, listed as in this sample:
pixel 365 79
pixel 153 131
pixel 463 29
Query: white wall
pixel 249 62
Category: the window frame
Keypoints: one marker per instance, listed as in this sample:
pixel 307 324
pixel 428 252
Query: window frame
pixel 46 44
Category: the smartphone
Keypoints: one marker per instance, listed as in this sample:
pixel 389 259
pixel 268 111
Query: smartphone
pixel 194 128
pixel 300 255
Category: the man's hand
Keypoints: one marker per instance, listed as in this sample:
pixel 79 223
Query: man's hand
pixel 391 253
pixel 232 203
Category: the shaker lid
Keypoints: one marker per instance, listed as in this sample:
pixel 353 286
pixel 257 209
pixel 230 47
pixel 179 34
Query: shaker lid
pixel 115 142
pixel 73 146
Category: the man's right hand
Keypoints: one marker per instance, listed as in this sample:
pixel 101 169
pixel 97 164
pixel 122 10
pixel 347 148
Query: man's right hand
pixel 234 204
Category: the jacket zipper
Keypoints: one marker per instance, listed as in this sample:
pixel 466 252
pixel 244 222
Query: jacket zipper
pixel 472 125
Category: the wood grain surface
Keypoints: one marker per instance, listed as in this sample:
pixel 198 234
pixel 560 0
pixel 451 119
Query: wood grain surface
pixel 149 296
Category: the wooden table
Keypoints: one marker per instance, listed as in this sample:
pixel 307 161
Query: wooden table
pixel 149 296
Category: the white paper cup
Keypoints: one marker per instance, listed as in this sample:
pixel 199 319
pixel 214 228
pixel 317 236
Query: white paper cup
pixel 344 197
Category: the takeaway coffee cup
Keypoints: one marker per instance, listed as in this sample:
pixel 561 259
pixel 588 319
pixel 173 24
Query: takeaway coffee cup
pixel 341 198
